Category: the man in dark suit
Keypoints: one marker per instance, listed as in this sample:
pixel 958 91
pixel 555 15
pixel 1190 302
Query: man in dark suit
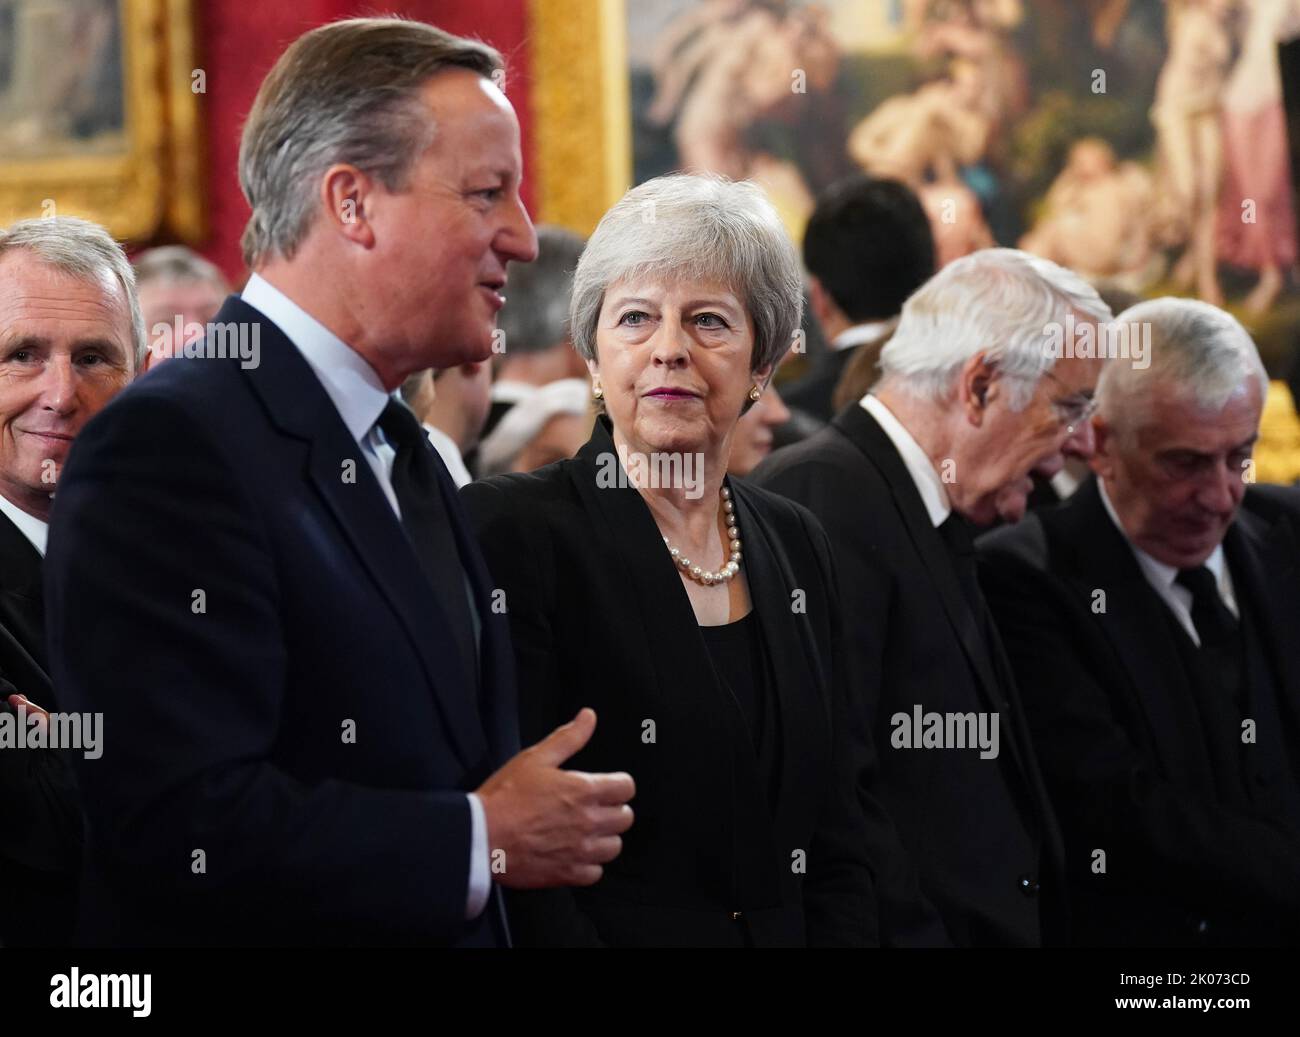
pixel 71 337
pixel 1151 620
pixel 867 247
pixel 969 404
pixel 319 743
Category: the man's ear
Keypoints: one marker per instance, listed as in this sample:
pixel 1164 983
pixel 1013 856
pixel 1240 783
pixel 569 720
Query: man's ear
pixel 347 196
pixel 974 385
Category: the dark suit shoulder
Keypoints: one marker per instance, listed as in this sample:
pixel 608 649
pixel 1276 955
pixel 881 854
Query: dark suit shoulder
pixel 1026 541
pixel 521 499
pixel 827 448
pixel 791 521
pixel 785 514
pixel 1273 502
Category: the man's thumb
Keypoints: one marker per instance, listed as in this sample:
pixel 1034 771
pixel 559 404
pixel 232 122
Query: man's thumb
pixel 567 739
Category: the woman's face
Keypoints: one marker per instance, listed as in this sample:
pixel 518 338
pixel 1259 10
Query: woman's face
pixel 673 362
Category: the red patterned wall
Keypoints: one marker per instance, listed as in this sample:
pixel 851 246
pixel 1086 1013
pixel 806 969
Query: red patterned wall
pixel 238 41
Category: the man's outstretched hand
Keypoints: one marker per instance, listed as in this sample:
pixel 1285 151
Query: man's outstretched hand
pixel 556 827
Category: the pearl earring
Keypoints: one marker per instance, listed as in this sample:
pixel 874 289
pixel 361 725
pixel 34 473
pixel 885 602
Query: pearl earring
pixel 597 393
pixel 755 393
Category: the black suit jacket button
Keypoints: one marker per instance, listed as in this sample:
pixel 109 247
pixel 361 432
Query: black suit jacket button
pixel 1029 885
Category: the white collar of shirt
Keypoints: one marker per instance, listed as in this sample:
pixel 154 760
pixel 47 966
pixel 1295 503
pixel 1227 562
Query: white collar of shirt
pixel 28 525
pixel 450 454
pixel 1163 578
pixel 860 333
pixel 919 466
pixel 508 391
pixel 350 382
pixel 1065 483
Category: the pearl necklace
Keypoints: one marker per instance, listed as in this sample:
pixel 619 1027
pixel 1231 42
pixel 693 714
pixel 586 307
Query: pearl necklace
pixel 732 566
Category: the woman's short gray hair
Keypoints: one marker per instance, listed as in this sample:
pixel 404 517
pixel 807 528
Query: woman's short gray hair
pixel 83 250
pixel 1194 346
pixel 999 301
pixel 345 92
pixel 695 228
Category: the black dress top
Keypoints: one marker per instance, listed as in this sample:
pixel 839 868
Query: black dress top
pixel 742 667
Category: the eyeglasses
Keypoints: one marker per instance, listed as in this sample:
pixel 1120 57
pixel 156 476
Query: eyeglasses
pixel 1075 409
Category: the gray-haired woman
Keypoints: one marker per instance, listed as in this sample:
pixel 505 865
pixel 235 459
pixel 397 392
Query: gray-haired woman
pixel 696 614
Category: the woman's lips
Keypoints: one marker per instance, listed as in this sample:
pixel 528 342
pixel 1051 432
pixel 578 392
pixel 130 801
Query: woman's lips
pixel 669 395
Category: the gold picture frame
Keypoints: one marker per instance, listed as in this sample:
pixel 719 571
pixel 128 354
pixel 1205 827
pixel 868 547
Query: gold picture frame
pixel 153 184
pixel 580 109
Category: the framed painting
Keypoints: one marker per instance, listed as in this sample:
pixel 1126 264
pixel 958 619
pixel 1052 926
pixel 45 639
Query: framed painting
pixel 99 115
pixel 1144 143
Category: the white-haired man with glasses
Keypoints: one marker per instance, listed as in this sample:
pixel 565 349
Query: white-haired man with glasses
pixel 971 401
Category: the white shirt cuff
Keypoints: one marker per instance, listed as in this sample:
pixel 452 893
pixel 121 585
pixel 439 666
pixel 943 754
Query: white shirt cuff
pixel 480 878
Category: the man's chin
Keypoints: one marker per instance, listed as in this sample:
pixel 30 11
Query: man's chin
pixel 1012 506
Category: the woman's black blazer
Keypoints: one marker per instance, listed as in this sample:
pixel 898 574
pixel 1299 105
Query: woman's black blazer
pixel 599 617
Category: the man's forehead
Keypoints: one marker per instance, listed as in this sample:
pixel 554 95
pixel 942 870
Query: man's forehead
pixel 1079 373
pixel 460 94
pixel 36 297
pixel 1173 419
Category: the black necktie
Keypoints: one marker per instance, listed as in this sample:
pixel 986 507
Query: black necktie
pixel 1218 687
pixel 419 489
pixel 1218 629
pixel 1213 621
pixel 956 536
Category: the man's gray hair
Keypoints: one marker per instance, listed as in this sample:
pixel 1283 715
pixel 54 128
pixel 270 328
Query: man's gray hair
pixel 171 263
pixel 345 92
pixel 1194 346
pixel 83 250
pixel 695 228
pixel 999 301
pixel 536 314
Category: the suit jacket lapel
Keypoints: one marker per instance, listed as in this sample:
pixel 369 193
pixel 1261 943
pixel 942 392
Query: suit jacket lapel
pixel 1137 623
pixel 1262 561
pixel 669 636
pixel 496 659
pixel 297 404
pixel 865 432
pixel 22 591
pixel 797 667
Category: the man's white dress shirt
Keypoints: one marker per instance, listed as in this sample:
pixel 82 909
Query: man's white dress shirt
pixel 1163 578
pixel 28 525
pixel 917 461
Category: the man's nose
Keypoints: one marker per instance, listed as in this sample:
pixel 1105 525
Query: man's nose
pixel 1049 466
pixel 519 243
pixel 59 385
pixel 1081 443
pixel 1216 492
